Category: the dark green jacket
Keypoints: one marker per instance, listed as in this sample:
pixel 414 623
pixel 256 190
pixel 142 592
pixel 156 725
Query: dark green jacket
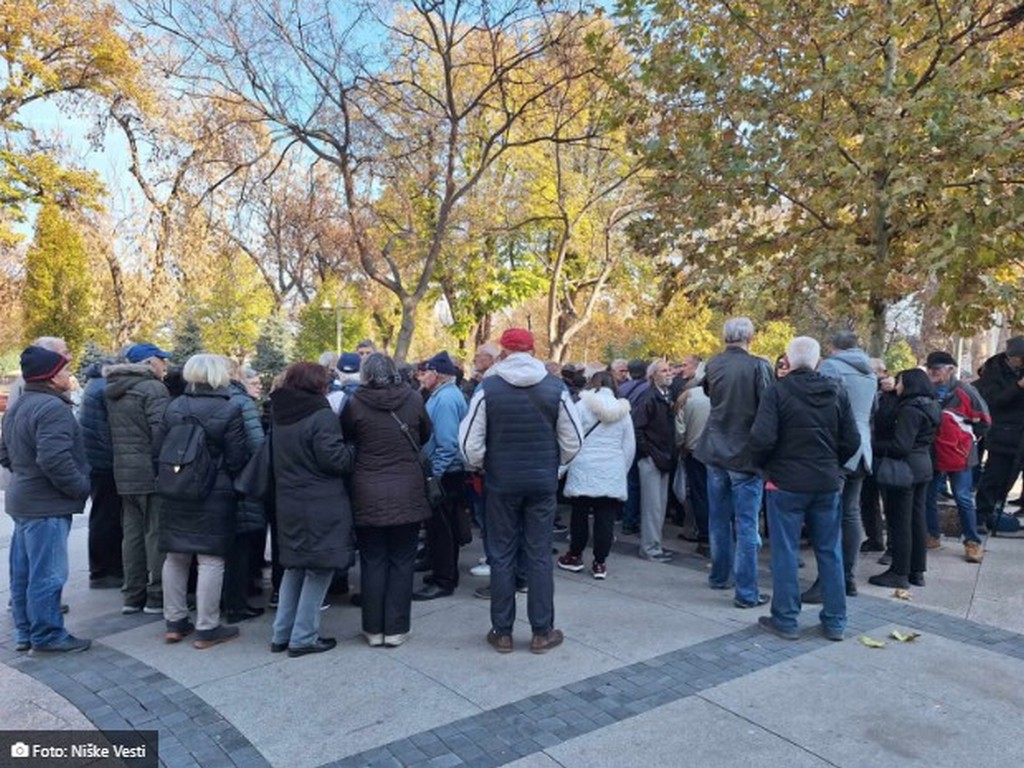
pixel 136 401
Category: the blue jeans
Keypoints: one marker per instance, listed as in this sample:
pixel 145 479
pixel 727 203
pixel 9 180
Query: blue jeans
pixel 734 504
pixel 787 513
pixel 960 483
pixel 300 596
pixel 39 570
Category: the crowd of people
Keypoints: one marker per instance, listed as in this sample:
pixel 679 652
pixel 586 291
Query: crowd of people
pixel 357 458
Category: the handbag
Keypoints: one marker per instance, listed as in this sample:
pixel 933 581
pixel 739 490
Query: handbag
pixel 256 480
pixel 892 473
pixel 431 484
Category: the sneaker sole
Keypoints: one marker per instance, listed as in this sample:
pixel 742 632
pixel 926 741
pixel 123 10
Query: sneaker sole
pixel 176 637
pixel 600 576
pixel 570 568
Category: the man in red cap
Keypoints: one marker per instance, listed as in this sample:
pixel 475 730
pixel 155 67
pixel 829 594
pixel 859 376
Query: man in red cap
pixel 521 426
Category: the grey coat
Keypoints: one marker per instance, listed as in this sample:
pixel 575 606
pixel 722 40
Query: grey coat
pixel 852 368
pixel 42 446
pixel 136 401
pixel 251 515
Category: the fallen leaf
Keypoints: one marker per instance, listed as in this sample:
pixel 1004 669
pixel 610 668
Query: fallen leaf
pixel 870 642
pixel 909 637
pixel 902 594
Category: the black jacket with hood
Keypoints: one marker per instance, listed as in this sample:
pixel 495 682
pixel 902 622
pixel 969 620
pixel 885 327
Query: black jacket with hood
pixel 388 486
pixel 1005 400
pixel 310 459
pixel 804 432
pixel 910 434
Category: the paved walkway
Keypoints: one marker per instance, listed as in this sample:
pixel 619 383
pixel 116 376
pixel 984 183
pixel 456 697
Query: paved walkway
pixel 657 669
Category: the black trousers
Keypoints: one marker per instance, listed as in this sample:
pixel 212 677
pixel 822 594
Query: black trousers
pixel 387 557
pixel 697 487
pixel 871 511
pixel 443 531
pixel 996 481
pixel 604 510
pixel 904 514
pixel 104 527
pixel 237 572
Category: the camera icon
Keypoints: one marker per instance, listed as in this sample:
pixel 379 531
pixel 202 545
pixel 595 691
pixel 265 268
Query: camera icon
pixel 19 749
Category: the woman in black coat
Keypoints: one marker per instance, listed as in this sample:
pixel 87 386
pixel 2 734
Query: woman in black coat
pixel 314 520
pixel 907 434
pixel 204 528
pixel 387 493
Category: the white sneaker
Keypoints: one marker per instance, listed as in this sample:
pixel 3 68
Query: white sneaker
pixel 373 640
pixel 480 570
pixel 393 641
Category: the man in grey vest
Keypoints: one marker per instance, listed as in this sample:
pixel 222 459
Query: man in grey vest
pixel 521 426
pixel 852 367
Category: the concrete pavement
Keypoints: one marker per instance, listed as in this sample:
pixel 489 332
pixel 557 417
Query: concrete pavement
pixel 656 669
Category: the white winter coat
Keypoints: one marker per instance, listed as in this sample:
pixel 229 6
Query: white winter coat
pixel 599 469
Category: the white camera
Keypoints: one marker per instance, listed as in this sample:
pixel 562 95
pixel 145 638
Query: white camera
pixel 19 749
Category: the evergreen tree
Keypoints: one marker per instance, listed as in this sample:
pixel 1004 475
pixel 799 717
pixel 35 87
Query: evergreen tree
pixel 57 291
pixel 188 339
pixel 271 350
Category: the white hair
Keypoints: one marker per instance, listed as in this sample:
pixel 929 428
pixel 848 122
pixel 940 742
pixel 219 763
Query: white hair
pixel 803 352
pixel 52 343
pixel 490 349
pixel 653 367
pixel 328 359
pixel 738 330
pixel 213 370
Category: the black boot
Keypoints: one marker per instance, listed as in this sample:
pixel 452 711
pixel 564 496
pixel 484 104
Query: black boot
pixel 890 579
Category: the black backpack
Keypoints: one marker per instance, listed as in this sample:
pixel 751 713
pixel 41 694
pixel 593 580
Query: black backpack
pixel 186 471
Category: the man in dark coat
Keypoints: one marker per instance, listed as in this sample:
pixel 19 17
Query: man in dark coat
pixel 42 446
pixel 136 401
pixel 105 569
pixel 654 424
pixel 803 434
pixel 1002 386
pixel 734 381
pixel 521 425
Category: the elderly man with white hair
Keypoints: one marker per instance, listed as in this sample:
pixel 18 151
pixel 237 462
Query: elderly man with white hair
pixel 735 381
pixel 803 434
pixel 654 423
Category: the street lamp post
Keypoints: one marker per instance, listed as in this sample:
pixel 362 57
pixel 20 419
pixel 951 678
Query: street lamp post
pixel 337 306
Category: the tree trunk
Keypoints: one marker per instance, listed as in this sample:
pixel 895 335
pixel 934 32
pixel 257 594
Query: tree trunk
pixel 876 347
pixel 407 327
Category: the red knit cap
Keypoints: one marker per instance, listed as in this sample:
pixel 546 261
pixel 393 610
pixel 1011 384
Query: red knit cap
pixel 517 340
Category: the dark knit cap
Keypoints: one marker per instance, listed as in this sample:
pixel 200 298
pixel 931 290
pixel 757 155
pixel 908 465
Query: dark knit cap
pixel 938 359
pixel 1015 346
pixel 41 364
pixel 441 363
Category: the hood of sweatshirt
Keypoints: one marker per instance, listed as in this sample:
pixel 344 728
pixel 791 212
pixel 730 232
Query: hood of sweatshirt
pixel 520 369
pixel 855 358
pixel 604 405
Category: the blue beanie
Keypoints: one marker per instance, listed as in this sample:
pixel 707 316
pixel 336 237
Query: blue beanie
pixel 441 363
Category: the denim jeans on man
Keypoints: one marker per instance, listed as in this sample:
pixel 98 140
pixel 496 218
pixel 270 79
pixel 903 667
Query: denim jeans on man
pixel 787 514
pixel 851 525
pixel 302 592
pixel 960 483
pixel 39 570
pixel 734 505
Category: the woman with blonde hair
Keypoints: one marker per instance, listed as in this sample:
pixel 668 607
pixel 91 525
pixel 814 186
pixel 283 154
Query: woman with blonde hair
pixel 203 528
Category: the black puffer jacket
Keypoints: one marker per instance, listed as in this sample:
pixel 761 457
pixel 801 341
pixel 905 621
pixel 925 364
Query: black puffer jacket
pixel 136 401
pixel 804 432
pixel 387 483
pixel 654 423
pixel 998 385
pixel 206 527
pixel 42 446
pixel 910 434
pixel 314 517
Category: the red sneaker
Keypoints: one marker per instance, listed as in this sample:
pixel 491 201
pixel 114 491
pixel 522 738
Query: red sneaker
pixel 570 562
pixel 599 570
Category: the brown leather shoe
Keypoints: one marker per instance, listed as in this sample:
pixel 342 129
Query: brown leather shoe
pixel 544 643
pixel 500 643
pixel 973 553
